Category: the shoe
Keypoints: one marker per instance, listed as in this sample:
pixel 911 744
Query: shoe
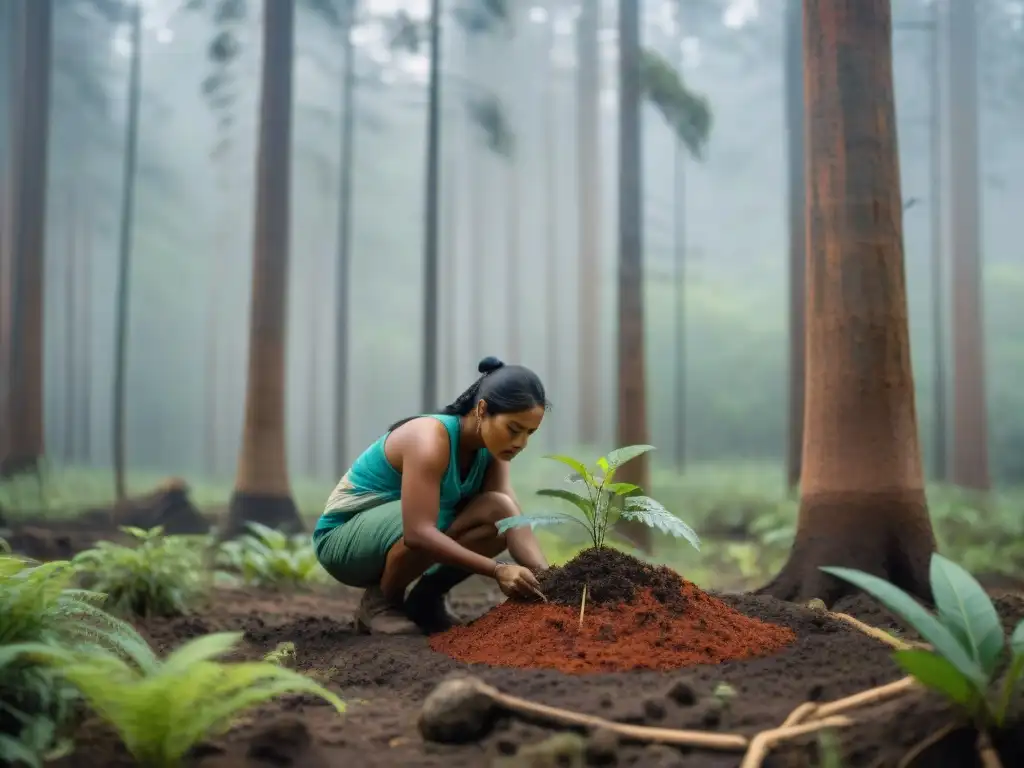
pixel 377 615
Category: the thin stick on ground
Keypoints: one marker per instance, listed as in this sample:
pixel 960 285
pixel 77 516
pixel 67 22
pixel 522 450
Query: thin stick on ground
pixel 916 751
pixel 879 634
pixel 583 606
pixel 987 753
pixel 720 741
pixel 761 744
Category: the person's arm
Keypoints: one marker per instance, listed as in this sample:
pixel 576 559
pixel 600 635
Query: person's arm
pixel 424 463
pixel 522 544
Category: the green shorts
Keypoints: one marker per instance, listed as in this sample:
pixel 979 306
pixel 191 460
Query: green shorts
pixel 356 551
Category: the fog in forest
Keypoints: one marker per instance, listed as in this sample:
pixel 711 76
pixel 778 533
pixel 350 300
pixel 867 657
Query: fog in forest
pixel 715 236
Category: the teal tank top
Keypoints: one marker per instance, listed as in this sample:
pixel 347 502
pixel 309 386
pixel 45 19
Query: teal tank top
pixel 372 481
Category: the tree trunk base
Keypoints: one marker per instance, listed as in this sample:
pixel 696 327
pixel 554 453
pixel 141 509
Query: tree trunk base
pixel 278 512
pixel 13 466
pixel 885 534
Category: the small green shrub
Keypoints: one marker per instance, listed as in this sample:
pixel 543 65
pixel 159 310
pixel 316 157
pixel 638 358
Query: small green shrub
pixel 162 709
pixel 966 635
pixel 158 576
pixel 603 501
pixel 269 558
pixel 39 606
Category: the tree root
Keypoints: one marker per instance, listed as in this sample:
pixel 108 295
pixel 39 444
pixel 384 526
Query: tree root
pixel 761 744
pixel 987 753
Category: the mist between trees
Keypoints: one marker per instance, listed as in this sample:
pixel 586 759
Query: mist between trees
pixel 191 257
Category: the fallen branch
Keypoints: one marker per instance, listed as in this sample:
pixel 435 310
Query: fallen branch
pixel 722 741
pixel 761 744
pixel 878 634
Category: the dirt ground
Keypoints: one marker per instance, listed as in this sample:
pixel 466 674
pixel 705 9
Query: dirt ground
pixel 385 681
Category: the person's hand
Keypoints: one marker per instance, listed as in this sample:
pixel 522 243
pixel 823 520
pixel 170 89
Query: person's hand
pixel 517 581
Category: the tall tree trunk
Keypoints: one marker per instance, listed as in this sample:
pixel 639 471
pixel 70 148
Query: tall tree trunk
pixel 940 404
pixel 262 490
pixel 431 214
pixel 83 230
pixel 590 263
pixel 794 84
pixel 70 310
pixel 970 414
pixel 121 321
pixel 9 35
pixel 341 290
pixel 513 258
pixel 632 381
pixel 25 440
pixel 679 245
pixel 551 252
pixel 862 499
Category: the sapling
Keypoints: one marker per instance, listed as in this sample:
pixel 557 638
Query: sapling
pixel 967 639
pixel 602 501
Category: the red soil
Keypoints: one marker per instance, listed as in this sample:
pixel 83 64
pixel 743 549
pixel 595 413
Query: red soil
pixel 641 634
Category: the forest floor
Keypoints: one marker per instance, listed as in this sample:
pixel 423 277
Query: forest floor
pixel 385 681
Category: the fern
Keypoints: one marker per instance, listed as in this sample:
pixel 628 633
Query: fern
pixel 39 606
pixel 159 576
pixel 269 558
pixel 603 501
pixel 161 713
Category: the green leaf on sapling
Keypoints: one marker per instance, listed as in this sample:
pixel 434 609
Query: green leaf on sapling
pixel 620 456
pixel 573 464
pixel 965 609
pixel 929 627
pixel 935 672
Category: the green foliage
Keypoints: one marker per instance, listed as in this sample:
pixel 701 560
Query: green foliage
pixel 605 501
pixel 162 709
pixel 269 558
pixel 40 606
pixel 158 576
pixel 687 112
pixel 965 633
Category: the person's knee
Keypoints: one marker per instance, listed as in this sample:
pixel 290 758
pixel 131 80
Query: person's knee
pixel 497 506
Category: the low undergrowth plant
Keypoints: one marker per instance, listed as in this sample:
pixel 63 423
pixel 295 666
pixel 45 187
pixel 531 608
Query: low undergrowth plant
pixel 969 646
pixel 39 606
pixel 162 709
pixel 601 501
pixel 156 575
pixel 267 557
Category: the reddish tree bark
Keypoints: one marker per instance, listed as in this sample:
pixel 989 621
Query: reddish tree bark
pixel 862 490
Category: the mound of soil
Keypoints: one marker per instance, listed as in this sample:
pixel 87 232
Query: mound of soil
pixel 612 578
pixel 636 617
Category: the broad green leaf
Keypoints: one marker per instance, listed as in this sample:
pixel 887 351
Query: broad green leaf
pixel 621 489
pixel 937 673
pixel 620 456
pixel 537 521
pixel 929 627
pixel 582 503
pixel 653 514
pixel 965 609
pixel 603 464
pixel 573 464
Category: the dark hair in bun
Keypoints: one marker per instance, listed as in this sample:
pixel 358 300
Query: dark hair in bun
pixel 505 389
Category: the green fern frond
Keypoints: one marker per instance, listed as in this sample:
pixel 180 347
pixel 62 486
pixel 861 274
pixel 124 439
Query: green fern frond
pixel 163 712
pixel 644 509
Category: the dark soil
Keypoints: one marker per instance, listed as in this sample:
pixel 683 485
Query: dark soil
pixel 385 680
pixel 612 578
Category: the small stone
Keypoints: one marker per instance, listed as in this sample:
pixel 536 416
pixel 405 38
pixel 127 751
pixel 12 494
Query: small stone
pixel 817 604
pixel 654 709
pixel 457 711
pixel 563 750
pixel 712 718
pixel 602 747
pixel 682 694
